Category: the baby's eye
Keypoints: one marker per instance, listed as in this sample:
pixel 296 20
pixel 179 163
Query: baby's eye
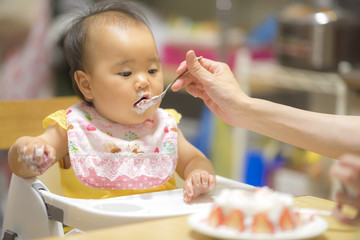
pixel 153 71
pixel 125 74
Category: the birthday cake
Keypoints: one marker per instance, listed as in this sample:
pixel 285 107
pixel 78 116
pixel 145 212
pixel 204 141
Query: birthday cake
pixel 263 211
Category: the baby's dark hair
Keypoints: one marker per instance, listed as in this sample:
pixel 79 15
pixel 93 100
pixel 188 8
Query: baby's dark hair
pixel 76 37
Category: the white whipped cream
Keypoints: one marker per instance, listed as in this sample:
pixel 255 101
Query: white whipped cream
pixel 250 203
pixel 143 105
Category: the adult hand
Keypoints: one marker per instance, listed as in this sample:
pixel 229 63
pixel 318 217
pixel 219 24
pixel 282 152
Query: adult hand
pixel 347 171
pixel 214 83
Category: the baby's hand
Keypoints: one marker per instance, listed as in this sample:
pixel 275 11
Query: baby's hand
pixel 35 154
pixel 199 182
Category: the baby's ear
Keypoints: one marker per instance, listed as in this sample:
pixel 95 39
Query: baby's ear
pixel 83 81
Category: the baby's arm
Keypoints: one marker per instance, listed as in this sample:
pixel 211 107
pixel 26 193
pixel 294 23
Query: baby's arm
pixel 32 156
pixel 195 168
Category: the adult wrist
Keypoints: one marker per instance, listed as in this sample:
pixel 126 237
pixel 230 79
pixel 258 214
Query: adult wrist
pixel 242 111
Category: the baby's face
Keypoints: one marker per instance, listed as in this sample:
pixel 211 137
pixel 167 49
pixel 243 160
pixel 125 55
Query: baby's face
pixel 123 67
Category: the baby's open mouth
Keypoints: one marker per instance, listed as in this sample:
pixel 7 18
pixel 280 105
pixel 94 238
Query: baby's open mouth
pixel 142 100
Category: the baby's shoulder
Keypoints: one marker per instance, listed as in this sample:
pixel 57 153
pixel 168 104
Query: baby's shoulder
pixel 58 116
pixel 173 113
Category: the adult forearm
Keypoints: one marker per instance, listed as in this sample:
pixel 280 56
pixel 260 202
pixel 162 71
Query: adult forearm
pixel 326 134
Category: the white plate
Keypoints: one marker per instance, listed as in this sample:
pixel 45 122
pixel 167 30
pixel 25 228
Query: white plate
pixel 198 222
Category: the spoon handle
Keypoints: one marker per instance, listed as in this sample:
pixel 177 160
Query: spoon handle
pixel 179 76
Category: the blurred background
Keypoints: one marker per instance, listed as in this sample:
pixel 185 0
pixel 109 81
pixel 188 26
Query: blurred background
pixel 299 53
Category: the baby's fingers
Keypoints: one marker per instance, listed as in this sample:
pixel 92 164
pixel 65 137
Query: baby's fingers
pixel 39 153
pixel 196 179
pixel 36 157
pixel 188 191
pixel 45 158
pixel 51 154
pixel 207 182
pixel 25 155
pixel 212 181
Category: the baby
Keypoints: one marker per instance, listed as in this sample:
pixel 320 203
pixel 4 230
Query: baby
pixel 105 147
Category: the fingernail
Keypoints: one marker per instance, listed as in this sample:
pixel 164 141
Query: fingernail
pixel 189 191
pixel 195 181
pixel 193 56
pixel 212 182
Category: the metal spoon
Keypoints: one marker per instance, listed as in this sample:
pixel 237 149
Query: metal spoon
pixel 143 107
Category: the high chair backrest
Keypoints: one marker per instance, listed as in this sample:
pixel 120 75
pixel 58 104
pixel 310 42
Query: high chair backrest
pixel 24 118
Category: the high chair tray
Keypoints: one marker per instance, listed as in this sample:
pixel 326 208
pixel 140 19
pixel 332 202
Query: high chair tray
pixel 89 214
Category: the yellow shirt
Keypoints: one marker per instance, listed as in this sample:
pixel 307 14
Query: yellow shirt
pixel 75 189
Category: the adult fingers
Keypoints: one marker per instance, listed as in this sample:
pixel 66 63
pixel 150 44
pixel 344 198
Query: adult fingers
pixel 188 78
pixel 200 71
pixel 195 68
pixel 196 90
pixel 338 214
pixel 349 199
pixel 348 173
pixel 181 68
pixel 184 81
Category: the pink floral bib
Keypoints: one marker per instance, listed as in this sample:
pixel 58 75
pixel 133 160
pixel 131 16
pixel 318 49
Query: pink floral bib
pixel 110 155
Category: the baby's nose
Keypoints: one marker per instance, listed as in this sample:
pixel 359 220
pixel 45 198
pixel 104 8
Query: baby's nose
pixel 142 82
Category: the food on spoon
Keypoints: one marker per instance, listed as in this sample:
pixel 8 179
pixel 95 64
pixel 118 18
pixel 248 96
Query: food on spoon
pixel 142 104
pixel 263 211
pixel 143 99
